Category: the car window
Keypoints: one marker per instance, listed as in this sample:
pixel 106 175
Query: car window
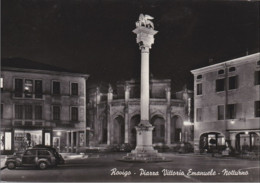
pixel 43 152
pixel 30 152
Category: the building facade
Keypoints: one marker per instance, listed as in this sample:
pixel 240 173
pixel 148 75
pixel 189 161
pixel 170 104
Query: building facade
pixel 227 104
pixel 113 113
pixel 41 105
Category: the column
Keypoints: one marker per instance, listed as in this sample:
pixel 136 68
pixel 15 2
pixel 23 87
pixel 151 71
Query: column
pixel 126 111
pixel 110 94
pixel 145 84
pixel 168 116
pixel 77 141
pixel 68 141
pixel 72 141
pixel 108 127
pixel 126 126
pixel 168 126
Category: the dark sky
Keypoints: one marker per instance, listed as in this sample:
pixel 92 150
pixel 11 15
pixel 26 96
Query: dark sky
pixel 95 37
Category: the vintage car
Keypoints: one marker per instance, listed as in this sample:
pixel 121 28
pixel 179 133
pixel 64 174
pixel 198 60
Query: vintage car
pixel 36 157
pixel 59 158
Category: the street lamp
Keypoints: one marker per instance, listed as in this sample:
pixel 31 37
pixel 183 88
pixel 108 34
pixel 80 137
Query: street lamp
pixel 232 121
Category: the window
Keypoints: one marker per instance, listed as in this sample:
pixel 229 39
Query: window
pixel 56 112
pixel 18 88
pixel 258 63
pixel 43 153
pixel 199 89
pixel 231 111
pixel 56 87
pixel 18 111
pixel 28 88
pixel 257 108
pixel 38 88
pixel 74 114
pixel 74 88
pixel 257 77
pixel 2 84
pixel 30 152
pixel 232 69
pixel 221 112
pixel 199 114
pixel 220 85
pixel 232 82
pixel 28 111
pixel 221 72
pixel 2 110
pixel 38 112
pixel 199 77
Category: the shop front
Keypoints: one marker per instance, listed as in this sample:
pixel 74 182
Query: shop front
pixel 20 139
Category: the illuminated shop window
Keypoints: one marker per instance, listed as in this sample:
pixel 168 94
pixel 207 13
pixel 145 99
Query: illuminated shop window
pixel 28 88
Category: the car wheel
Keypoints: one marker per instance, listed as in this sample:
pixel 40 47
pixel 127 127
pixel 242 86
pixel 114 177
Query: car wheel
pixel 11 165
pixel 43 165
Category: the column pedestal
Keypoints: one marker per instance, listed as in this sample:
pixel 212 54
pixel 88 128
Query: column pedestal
pixel 144 151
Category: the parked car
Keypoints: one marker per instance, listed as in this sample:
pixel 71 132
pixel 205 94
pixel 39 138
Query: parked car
pixel 37 157
pixel 59 158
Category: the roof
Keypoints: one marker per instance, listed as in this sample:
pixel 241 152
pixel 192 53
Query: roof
pixel 25 64
pixel 240 60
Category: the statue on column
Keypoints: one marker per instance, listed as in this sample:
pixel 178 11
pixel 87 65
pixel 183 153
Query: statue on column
pixel 145 20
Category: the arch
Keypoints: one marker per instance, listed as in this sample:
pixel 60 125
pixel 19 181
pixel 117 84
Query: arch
pixel 135 120
pixel 247 141
pixel 118 130
pixel 211 140
pixel 176 129
pixel 159 129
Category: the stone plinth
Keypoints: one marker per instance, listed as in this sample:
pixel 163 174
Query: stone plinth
pixel 144 151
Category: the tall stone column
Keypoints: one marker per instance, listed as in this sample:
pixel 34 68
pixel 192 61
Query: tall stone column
pixel 168 116
pixel 126 111
pixel 144 150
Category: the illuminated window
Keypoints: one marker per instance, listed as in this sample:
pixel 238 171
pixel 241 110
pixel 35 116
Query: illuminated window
pixel 8 140
pixel 28 88
pixel 1 83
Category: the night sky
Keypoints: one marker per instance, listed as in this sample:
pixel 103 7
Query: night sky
pixel 95 37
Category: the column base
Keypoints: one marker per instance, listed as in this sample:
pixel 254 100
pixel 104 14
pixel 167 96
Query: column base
pixel 144 151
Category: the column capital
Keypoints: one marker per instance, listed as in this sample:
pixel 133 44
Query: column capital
pixel 127 87
pixel 110 89
pixel 145 37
